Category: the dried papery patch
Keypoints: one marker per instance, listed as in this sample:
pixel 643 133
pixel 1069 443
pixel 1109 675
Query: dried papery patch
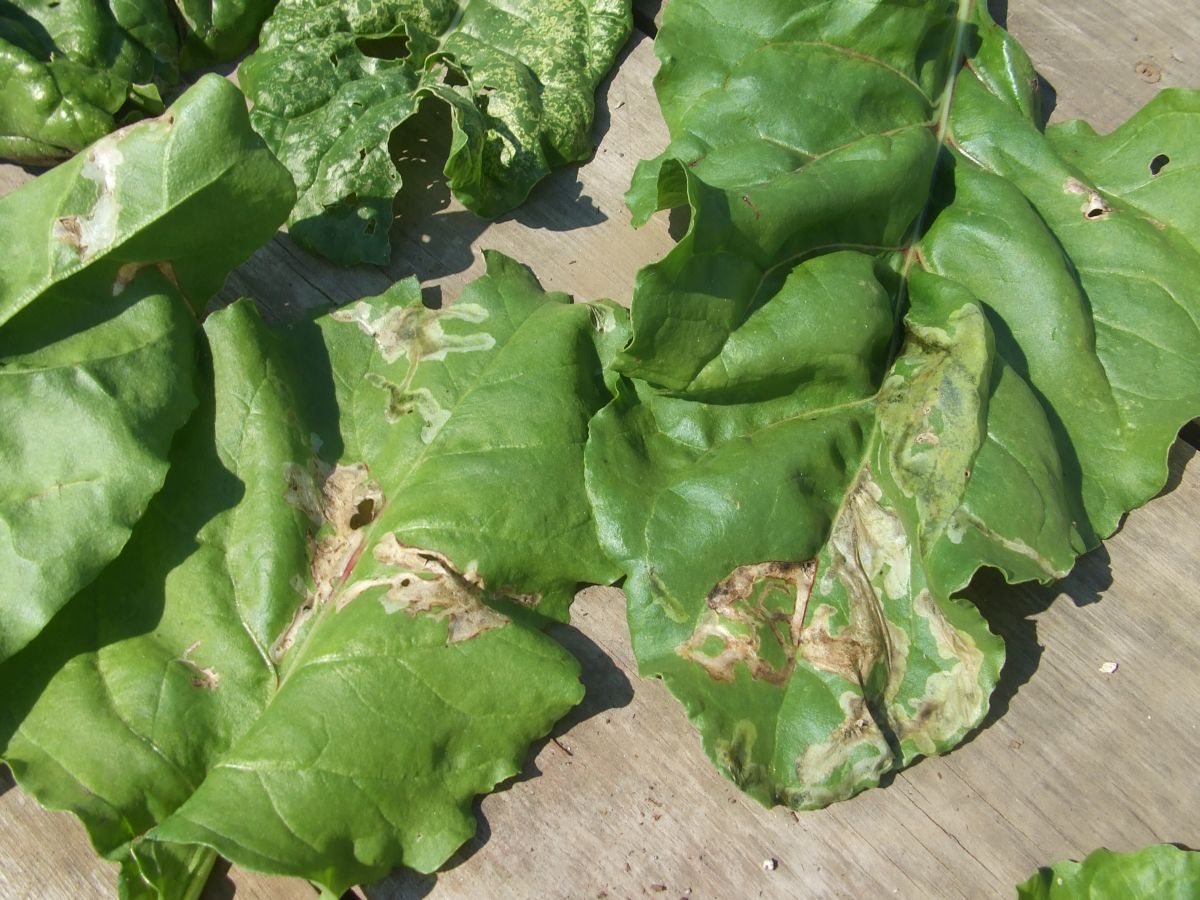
pixel 870 558
pixel 1095 206
pixel 205 677
pixel 427 583
pixel 415 332
pixel 856 753
pixel 95 230
pixel 754 617
pixel 954 697
pixel 345 499
pixel 126 274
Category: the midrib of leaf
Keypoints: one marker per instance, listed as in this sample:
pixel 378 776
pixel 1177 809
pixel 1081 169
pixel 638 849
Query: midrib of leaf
pixel 910 249
pixel 295 655
pixel 942 124
pixel 160 338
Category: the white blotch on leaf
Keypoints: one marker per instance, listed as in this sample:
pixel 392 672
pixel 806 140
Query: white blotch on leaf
pixel 415 333
pixel 95 231
pixel 344 498
pixel 1094 207
pixel 201 676
pixel 427 583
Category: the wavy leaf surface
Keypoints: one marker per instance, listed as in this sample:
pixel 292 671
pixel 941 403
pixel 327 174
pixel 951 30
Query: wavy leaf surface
pixel 109 259
pixel 1161 871
pixel 73 70
pixel 324 638
pixel 907 334
pixel 333 80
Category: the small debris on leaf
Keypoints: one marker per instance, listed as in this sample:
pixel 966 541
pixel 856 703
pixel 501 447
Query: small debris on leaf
pixel 1108 668
pixel 770 865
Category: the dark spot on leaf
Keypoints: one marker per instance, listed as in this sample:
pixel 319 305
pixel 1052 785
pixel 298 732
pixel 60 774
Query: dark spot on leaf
pixel 364 515
pixel 392 47
pixel 1159 163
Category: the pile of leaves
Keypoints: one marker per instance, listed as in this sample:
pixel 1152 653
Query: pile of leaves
pixel 72 70
pixel 333 83
pixel 279 594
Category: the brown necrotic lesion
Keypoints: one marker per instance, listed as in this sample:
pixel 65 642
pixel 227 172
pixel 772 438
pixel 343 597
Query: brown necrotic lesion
pixel 755 616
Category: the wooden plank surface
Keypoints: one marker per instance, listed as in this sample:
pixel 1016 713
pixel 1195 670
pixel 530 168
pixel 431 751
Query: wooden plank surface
pixel 622 802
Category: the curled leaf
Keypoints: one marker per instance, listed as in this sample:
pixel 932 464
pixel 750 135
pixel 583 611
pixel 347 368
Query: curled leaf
pixel 907 334
pixel 73 70
pixel 332 80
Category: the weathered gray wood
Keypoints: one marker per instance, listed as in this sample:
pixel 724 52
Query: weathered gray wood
pixel 622 802
pixel 1104 59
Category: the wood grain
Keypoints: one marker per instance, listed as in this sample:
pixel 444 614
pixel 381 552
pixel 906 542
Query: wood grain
pixel 621 802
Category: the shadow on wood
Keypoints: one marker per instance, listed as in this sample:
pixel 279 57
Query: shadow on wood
pixel 1010 611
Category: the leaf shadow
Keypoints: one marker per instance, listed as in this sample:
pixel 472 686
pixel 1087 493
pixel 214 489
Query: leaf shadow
pixel 127 599
pixel 606 687
pixel 433 235
pixel 1011 611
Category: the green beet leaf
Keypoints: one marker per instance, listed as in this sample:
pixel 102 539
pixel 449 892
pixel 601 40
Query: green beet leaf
pixel 324 638
pixel 73 70
pixel 110 257
pixel 334 79
pixel 907 334
pixel 1159 872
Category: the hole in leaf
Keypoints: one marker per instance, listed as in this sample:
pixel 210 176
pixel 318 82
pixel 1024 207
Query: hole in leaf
pixel 364 515
pixel 1095 212
pixel 1159 163
pixel 454 78
pixel 333 59
pixel 393 46
pixel 370 229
